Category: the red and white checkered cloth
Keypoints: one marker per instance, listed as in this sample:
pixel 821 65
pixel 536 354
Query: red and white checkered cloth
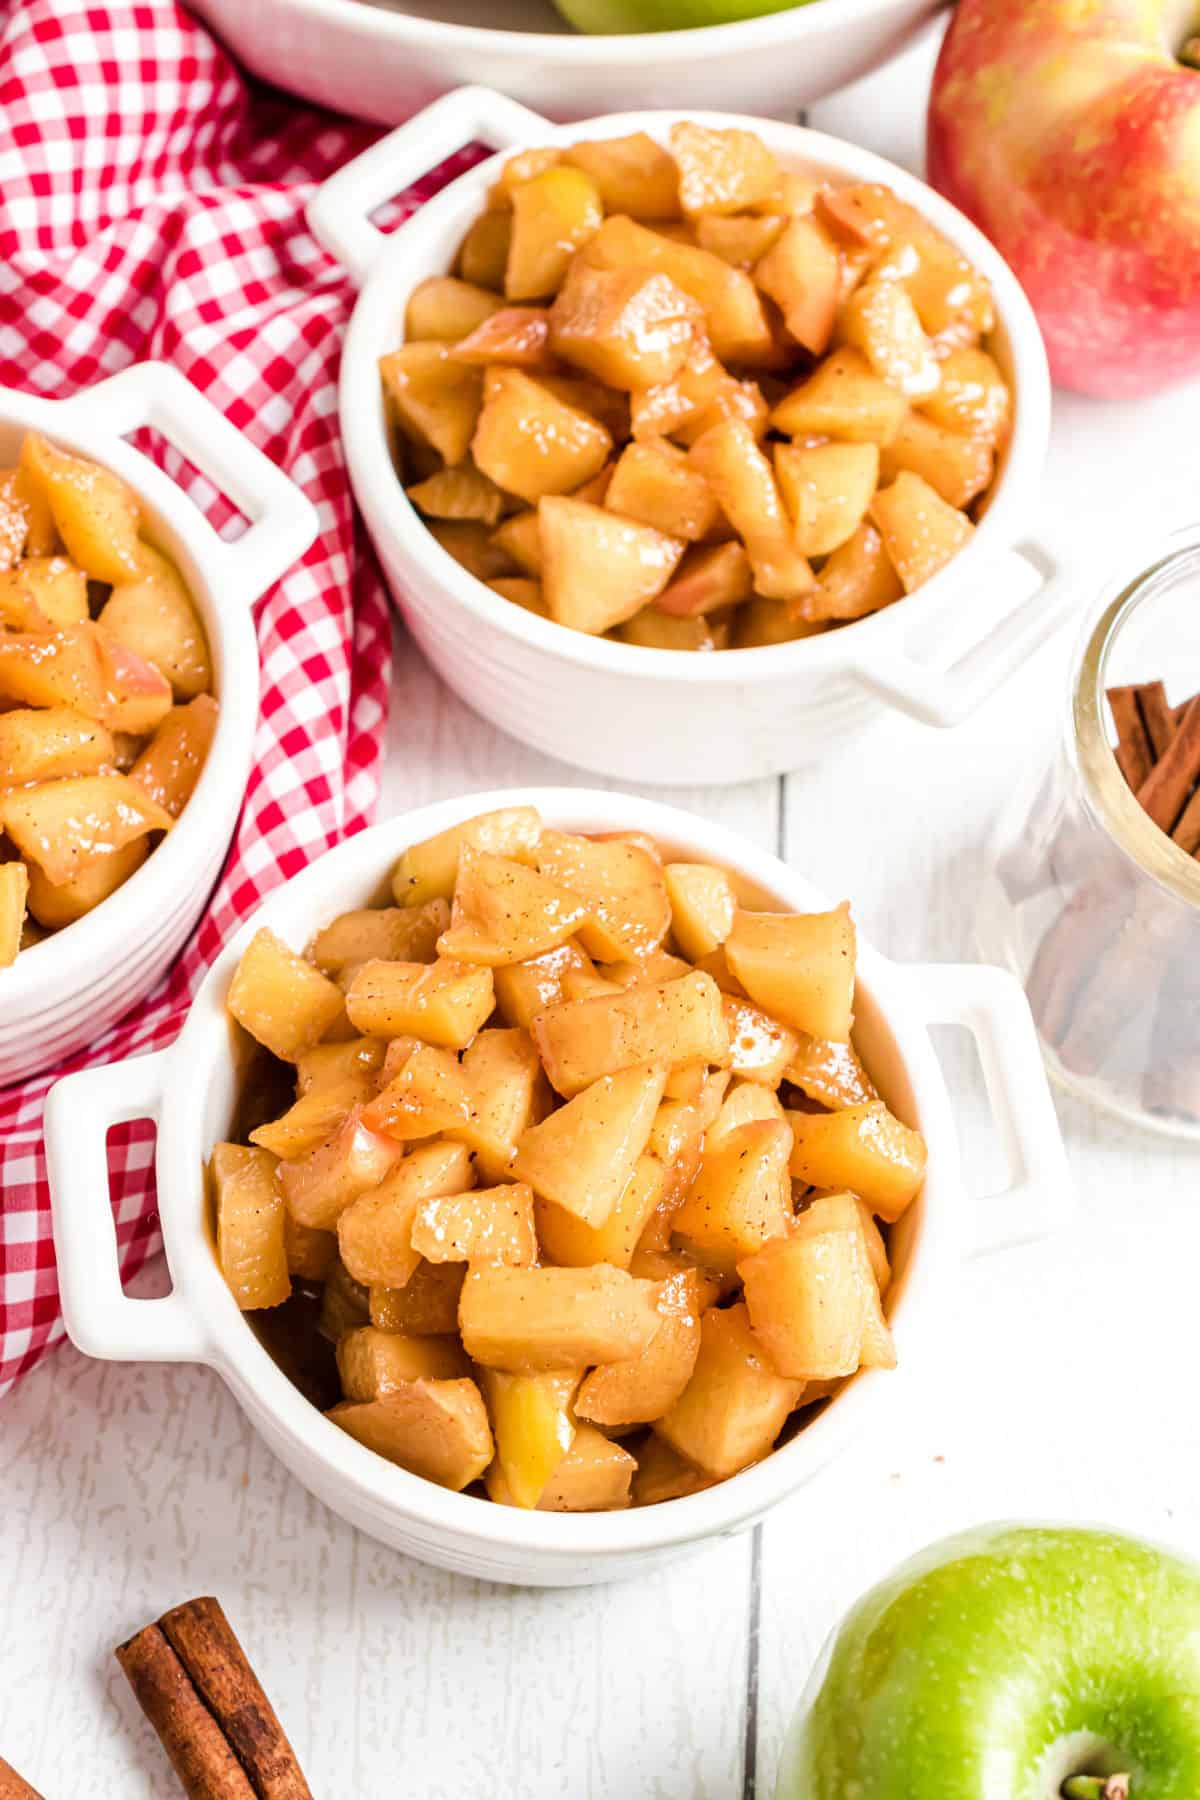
pixel 152 205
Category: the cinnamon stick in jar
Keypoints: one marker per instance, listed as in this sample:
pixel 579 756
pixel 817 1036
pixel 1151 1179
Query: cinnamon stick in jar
pixel 1166 789
pixel 14 1786
pixel 195 1685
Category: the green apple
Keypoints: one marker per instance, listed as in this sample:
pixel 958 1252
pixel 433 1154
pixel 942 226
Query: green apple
pixel 605 17
pixel 1012 1663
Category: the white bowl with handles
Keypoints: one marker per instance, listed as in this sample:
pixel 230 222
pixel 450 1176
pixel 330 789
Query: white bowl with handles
pixel 382 62
pixel 665 716
pixel 190 1091
pixel 62 993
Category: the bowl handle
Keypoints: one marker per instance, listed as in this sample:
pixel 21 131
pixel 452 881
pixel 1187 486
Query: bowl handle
pixel 339 212
pixel 100 1317
pixel 283 523
pixel 991 1004
pixel 946 696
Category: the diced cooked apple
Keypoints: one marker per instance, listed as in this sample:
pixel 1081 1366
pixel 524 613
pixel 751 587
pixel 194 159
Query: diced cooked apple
pixel 856 580
pixel 633 174
pixel 958 468
pixel 458 493
pixel 662 1474
pixel 314 1117
pixel 876 1248
pixel 973 398
pixel 505 912
pixel 642 1390
pixel 746 1103
pixel 427 1094
pixel 171 764
pixel 949 293
pixel 830 1073
pixel 863 1148
pixel 553 215
pixel 516 335
pixel 57 903
pixel 880 319
pixel 523 593
pixel 529 1320
pixel 14 888
pixel 826 489
pixel 328 1065
pixel 570 1241
pixel 522 167
pixel 708 578
pixel 599 569
pixel 41 591
pixel 520 537
pixel 651 629
pixel 871 215
pixel 483 253
pixel 741 1196
pixel 702 904
pixel 280 999
pixel 734 1407
pixel 84 667
pixel 799 967
pixel 443 1002
pixel 485 1225
pixel 523 990
pixel 319 1187
pixel 802 273
pixel 437 400
pixel 763 622
pixel 153 614
pixel 531 443
pixel 842 398
pixel 655 484
pixel 664 1022
pixel 721 171
pixel 660 411
pixel 581 1156
pixel 807 1297
pixel 43 744
pixel 311 1255
pixel 375 1231
pixel 344 1302
pixel 470 544
pixel 444 309
pixel 427 1304
pixel 96 514
pixel 594 1476
pixel 632 328
pixel 26 522
pixel 742 401
pixel 380 934
pixel 69 825
pixel 533 1428
pixel 920 532
pixel 438 1429
pixel 737 324
pixel 372 1363
pixel 761 1049
pixel 429 870
pixel 741 241
pixel 250 1245
pixel 621 886
pixel 740 476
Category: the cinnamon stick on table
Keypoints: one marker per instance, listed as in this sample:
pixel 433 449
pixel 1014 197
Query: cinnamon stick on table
pixel 197 1689
pixel 13 1786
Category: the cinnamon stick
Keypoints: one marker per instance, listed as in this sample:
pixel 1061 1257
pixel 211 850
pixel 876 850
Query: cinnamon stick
pixel 14 1786
pixel 197 1689
pixel 1187 832
pixel 1133 753
pixel 1165 791
pixel 1157 717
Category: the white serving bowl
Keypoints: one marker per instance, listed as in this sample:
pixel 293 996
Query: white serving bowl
pixel 383 62
pixel 64 992
pixel 191 1092
pixel 669 716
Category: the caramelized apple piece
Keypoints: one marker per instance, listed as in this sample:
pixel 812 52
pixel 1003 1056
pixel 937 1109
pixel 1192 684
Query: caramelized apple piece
pixel 842 398
pixel 57 903
pixel 826 489
pixel 654 483
pixel 655 630
pixel 594 1476
pixel 483 253
pixel 486 1225
pixel 520 537
pixel 344 1301
pixel 741 1195
pixel 529 1320
pixel 857 579
pixel 319 1187
pixel 171 764
pixel 737 326
pixel 328 1065
pixel 505 912
pixel 973 398
pixel 443 1002
pixel 739 400
pixel 762 622
pixel 920 532
pixel 880 319
pixel 314 1117
pixel 428 1094
pixel 707 579
pixel 662 1474
pixel 429 870
pixel 642 1390
pixel 746 1103
pixel 519 335
pixel 84 667
pixel 525 989
pixel 666 1022
pixel 802 273
pixel 471 546
pixel 761 1049
pixel 427 1304
pixel 66 826
pixel 702 904
pixel 380 933
pixel 153 615
pixel 443 309
pixel 533 1429
pixel 95 513
pixel 250 1245
pixel 280 999
pixel 807 1297
pixel 14 886
pixel 503 1079
pixel 740 476
pixel 621 887
pixel 41 591
pixel 721 171
pixel 662 410
pixel 311 1255
pixel 26 522
pixel 375 1230
pixel 733 1408
pixel 741 241
pixel 554 213
pixel 633 174
pixel 522 592
pixel 581 1156
pixel 519 168
pixel 437 400
pixel 864 1148
pixel 957 468
pixel 532 443
pixel 799 967
pixel 458 493
pixel 630 327
pixel 372 1363
pixel 598 569
pixel 44 744
pixel 438 1429
pixel 829 1073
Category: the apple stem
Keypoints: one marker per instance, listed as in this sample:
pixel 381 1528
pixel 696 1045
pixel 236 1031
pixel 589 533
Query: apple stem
pixel 1189 56
pixel 1096 1787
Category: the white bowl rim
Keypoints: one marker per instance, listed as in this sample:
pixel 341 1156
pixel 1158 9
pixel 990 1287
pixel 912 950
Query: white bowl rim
pixel 383 1487
pixel 61 961
pixel 389 511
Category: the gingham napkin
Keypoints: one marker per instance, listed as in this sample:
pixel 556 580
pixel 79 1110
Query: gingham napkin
pixel 152 204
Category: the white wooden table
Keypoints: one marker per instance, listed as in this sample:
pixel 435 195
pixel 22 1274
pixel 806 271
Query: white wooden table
pixel 1067 1388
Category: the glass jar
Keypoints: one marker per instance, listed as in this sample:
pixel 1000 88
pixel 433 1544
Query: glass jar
pixel 1095 908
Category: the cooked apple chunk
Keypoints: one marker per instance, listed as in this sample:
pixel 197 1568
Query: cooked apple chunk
pixel 760 1048
pixel 380 934
pixel 518 336
pixel 372 1363
pixel 57 903
pixel 742 241
pixel 46 743
pixel 427 1094
pixel 444 1002
pixel 702 904
pixel 533 1430
pixel 741 1196
pixel 436 399
pixel 654 483
pixel 532 443
pixel 594 1476
pixel 314 1117
pixel 14 888
pixel 708 578
pixel 621 886
pixel 642 1390
pixel 523 990
pixel 826 489
pixel 581 1156
pixel 67 826
pixel 528 1320
pixel 443 309
pixel 152 613
pixel 483 253
pixel 96 514
pixel 737 325
pixel 41 591
pixel 799 967
pixel 438 1429
pixel 973 398
pixel 958 468
pixel 802 272
pixel 485 1225
pixel 458 493
pixel 858 578
pixel 520 537
pixel 632 328
pixel 554 213
pixel 171 764
pixel 329 1065
pixel 319 1187
pixel 429 870
pixel 735 1404
pixel 633 174
pixel 830 1073
pixel 427 1304
pixel 880 320
pixel 807 1296
pixel 598 569
pixel 662 1474
pixel 842 398
pixel 574 1244
pixel 920 532
pixel 721 171
pixel 311 1255
pixel 863 1148
pixel 741 479
pixel 280 999
pixel 657 1022
pixel 375 1230
pixel 250 1246
pixel 505 912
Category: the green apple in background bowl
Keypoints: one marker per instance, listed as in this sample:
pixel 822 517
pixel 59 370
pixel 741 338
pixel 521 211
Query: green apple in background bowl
pixel 616 17
pixel 1011 1663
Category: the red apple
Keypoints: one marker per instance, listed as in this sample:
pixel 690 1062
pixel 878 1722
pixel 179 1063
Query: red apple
pixel 1071 135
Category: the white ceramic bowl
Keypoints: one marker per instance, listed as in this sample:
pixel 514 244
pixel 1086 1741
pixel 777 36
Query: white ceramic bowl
pixel 383 62
pixel 647 715
pixel 62 993
pixel 191 1092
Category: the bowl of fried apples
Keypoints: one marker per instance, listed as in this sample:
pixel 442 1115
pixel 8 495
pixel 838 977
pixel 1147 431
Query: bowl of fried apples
pixel 690 444
pixel 128 694
pixel 555 1179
